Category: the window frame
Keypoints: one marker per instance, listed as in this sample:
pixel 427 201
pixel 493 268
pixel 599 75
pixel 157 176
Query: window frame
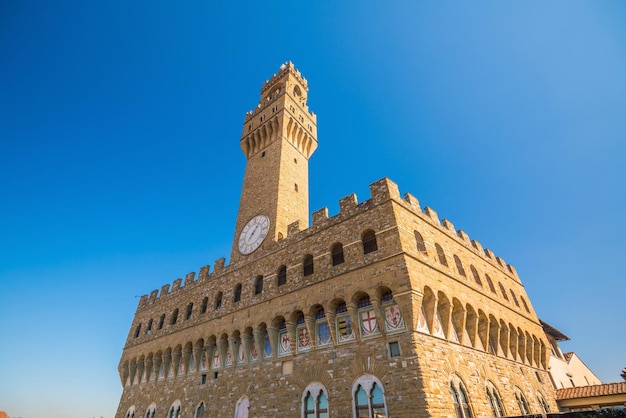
pixel 441 255
pixel 258 285
pixel 368 383
pixel 369 242
pixel 336 254
pixel 308 265
pixel 420 243
pixel 460 399
pixel 219 297
pixel 281 276
pixel 237 293
pixel 315 391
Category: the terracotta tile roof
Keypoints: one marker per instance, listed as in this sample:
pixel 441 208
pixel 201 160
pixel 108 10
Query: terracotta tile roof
pixel 589 391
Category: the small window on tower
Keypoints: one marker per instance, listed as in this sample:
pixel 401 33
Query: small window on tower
pixel 262 154
pixel 295 161
pixel 258 285
pixel 296 187
pixel 218 300
pixel 282 276
pixel 307 265
pixel 337 254
pixel 237 293
pixel 394 349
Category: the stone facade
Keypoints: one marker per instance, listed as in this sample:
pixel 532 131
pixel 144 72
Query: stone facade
pixel 380 310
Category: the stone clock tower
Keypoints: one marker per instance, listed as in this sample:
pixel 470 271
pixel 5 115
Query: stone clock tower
pixel 278 138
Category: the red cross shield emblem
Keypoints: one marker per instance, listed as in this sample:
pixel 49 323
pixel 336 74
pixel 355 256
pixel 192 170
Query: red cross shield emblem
pixel 368 319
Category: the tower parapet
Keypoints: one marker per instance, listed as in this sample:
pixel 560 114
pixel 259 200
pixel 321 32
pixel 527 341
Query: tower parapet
pixel 272 87
pixel 289 116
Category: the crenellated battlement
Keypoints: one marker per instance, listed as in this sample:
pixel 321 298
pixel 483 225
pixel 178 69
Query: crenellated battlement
pixel 277 86
pixel 381 191
pixel 286 68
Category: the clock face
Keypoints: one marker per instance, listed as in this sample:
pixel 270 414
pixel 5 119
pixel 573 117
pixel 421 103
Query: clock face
pixel 253 234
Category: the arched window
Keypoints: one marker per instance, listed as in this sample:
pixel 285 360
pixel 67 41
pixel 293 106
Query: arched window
pixel 218 300
pixel 476 275
pixel 189 311
pixel 459 399
pixel 258 285
pixel 544 405
pixel 174 411
pixel 369 242
pixel 514 298
pixel 490 283
pixel 459 265
pixel 307 265
pixel 130 413
pixel 504 295
pixel 521 402
pixel 419 241
pixel 174 317
pixel 200 411
pixel 242 407
pixel 161 321
pixel 441 255
pixel 137 330
pixel 281 278
pixel 369 398
pixel 337 254
pixel 205 304
pixel 315 401
pixel 503 291
pixel 524 303
pixel 494 400
pixel 237 293
pixel 150 412
pixel 149 327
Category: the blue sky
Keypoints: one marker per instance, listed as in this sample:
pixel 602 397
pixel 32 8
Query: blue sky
pixel 120 168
